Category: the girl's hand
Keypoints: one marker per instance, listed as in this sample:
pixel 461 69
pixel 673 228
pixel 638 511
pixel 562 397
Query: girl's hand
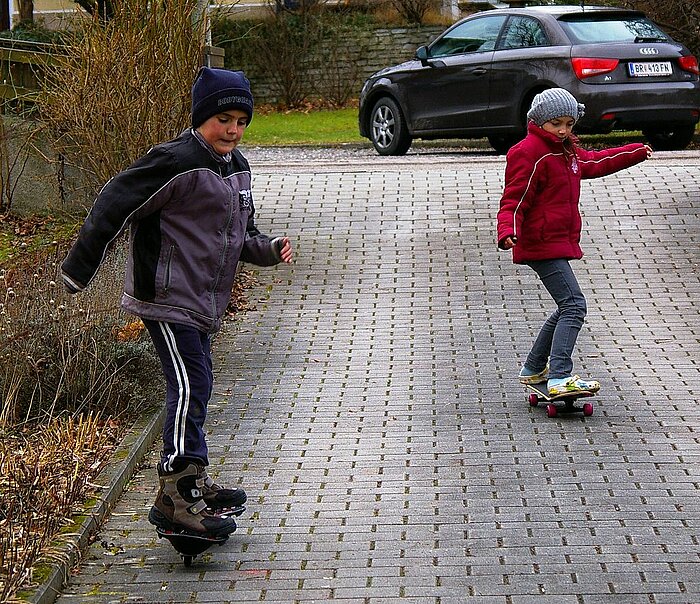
pixel 509 242
pixel 650 151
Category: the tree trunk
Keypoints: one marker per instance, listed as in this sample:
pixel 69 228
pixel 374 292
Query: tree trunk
pixel 26 11
pixel 4 15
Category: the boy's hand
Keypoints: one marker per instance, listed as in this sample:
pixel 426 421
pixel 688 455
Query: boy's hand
pixel 650 151
pixel 285 249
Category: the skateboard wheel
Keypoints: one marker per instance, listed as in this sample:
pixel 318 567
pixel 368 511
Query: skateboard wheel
pixel 551 411
pixel 187 561
pixel 588 409
pixel 533 399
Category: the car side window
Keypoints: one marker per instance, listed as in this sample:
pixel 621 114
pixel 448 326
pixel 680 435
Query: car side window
pixel 476 35
pixel 523 32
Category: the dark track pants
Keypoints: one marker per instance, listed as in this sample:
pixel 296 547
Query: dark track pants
pixel 185 357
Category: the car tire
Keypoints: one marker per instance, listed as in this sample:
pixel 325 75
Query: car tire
pixel 502 143
pixel 671 138
pixel 388 128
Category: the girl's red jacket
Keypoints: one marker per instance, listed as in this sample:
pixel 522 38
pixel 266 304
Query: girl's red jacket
pixel 540 200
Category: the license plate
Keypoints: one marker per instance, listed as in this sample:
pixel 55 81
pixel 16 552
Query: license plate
pixel 661 68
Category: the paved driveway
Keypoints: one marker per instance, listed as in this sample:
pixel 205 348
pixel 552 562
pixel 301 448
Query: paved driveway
pixel 370 408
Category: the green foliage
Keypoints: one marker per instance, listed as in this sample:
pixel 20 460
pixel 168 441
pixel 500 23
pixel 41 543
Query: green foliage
pixel 34 32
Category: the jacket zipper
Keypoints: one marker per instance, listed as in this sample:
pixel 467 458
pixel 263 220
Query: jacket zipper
pixel 224 249
pixel 168 268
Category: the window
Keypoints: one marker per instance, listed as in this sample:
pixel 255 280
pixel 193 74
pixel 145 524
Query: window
pixel 476 35
pixel 523 32
pixel 621 29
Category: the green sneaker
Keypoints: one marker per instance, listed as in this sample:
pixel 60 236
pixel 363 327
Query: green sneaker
pixel 572 385
pixel 528 377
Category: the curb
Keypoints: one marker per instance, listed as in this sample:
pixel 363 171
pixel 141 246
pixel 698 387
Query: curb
pixel 115 477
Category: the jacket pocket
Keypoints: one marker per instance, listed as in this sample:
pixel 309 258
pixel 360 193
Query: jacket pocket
pixel 167 272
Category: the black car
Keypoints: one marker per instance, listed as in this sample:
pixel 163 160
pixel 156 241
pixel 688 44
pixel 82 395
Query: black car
pixel 478 79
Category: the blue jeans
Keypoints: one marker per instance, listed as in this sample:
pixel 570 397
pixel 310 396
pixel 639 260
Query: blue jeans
pixel 558 335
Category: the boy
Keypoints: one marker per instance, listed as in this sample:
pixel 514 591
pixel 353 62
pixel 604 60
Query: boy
pixel 189 207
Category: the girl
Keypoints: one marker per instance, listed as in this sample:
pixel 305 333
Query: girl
pixel 539 221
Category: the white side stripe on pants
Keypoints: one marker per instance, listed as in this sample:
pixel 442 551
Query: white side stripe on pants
pixel 183 402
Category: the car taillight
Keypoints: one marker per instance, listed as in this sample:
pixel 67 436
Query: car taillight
pixel 586 68
pixel 689 63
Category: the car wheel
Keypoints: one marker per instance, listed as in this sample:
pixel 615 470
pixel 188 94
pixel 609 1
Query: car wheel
pixel 672 138
pixel 388 129
pixel 502 143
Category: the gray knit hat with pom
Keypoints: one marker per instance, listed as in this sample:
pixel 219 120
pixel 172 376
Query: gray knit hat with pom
pixel 553 103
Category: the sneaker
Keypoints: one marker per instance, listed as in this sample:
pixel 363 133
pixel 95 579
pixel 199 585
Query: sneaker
pixel 571 385
pixel 527 376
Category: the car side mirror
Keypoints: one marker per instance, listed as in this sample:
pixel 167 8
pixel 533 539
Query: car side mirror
pixel 423 56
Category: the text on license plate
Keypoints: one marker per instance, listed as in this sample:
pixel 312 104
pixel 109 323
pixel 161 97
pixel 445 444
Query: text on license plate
pixel 662 68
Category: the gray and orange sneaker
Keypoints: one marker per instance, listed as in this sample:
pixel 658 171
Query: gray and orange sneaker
pixel 571 385
pixel 527 376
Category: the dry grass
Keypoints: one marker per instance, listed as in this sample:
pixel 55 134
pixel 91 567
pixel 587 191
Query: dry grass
pixel 73 371
pixel 44 473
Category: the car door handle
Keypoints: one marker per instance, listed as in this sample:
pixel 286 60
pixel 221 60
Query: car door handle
pixel 478 71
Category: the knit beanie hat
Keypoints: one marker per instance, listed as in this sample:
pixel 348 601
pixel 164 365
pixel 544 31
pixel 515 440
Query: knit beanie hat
pixel 217 90
pixel 553 103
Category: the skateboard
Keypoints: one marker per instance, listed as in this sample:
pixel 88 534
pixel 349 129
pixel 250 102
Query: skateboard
pixel 190 545
pixel 539 393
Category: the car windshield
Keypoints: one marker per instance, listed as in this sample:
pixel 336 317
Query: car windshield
pixel 585 29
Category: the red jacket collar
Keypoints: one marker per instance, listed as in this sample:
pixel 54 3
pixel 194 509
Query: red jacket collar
pixel 552 139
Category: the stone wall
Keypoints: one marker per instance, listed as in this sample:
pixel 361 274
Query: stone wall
pixel 372 50
pixel 391 46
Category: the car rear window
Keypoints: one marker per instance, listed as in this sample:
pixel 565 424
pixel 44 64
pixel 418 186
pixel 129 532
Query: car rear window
pixel 586 29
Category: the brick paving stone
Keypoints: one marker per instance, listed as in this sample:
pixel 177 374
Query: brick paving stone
pixel 368 404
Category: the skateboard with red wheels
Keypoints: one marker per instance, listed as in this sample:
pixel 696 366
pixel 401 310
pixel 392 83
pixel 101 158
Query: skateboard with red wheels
pixel 541 394
pixel 189 545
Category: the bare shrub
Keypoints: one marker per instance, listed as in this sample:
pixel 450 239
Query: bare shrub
pixel 336 70
pixel 14 155
pixel 63 353
pixel 307 55
pixel 68 354
pixel 282 45
pixel 69 366
pixel 44 472
pixel 413 11
pixel 124 85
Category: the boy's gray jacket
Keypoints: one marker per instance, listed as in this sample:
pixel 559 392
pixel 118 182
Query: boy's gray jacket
pixel 190 213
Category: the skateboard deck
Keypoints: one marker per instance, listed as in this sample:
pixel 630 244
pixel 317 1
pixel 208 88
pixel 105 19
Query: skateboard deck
pixel 190 545
pixel 539 394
